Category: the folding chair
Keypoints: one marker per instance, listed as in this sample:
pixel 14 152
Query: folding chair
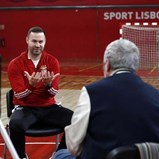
pixel 37 130
pixel 124 152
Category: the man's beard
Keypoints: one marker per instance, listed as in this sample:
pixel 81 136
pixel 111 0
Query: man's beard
pixel 36 51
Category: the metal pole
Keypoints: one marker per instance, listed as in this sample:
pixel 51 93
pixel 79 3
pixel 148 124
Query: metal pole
pixel 0 81
pixel 79 7
pixel 8 141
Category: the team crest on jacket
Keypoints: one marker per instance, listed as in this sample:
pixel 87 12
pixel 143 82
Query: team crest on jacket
pixel 43 69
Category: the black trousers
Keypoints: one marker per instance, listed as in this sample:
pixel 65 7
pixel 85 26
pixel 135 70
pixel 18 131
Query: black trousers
pixel 23 117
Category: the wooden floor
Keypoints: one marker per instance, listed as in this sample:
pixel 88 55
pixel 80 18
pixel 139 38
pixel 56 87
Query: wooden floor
pixel 74 75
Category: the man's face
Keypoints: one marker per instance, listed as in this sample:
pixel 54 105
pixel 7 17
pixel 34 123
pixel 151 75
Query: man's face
pixel 36 43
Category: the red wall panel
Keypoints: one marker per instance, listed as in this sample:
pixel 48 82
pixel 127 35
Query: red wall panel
pixel 70 33
pixel 73 2
pixel 124 2
pixel 46 2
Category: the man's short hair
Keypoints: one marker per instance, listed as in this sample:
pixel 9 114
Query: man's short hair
pixel 35 29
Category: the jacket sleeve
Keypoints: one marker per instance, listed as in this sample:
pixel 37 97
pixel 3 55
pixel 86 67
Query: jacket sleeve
pixel 55 67
pixel 17 80
pixel 76 132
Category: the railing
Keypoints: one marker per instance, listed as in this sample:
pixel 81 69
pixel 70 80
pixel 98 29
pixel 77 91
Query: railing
pixel 79 7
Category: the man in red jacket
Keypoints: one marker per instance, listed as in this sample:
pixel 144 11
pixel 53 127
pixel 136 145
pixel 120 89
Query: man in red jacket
pixel 34 78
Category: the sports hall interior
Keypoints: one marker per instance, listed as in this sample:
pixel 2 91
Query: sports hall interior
pixel 77 33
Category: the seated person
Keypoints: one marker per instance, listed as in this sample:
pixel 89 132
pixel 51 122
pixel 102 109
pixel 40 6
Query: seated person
pixel 118 110
pixel 34 78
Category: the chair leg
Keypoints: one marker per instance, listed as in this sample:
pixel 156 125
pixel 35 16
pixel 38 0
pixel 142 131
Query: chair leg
pixel 5 151
pixel 57 143
pixel 57 140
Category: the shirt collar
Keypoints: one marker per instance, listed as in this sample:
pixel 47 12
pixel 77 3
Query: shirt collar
pixel 121 70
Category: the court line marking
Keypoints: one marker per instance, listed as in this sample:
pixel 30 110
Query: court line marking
pixel 88 68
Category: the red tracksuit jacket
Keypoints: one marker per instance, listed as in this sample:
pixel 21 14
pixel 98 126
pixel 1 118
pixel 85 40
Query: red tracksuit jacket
pixel 26 95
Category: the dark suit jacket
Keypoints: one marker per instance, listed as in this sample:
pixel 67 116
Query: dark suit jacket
pixel 124 111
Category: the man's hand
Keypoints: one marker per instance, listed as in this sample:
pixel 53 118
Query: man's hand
pixel 33 79
pixel 48 77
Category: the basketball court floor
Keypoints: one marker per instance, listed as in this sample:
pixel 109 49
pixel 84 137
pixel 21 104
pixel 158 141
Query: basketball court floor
pixel 74 75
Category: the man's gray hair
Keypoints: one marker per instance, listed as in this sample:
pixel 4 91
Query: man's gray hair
pixel 122 53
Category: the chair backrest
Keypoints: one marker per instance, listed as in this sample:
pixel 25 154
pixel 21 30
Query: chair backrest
pixel 9 102
pixel 124 152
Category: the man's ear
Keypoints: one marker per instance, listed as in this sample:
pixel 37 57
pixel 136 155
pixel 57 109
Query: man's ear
pixel 107 68
pixel 26 39
pixel 108 65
